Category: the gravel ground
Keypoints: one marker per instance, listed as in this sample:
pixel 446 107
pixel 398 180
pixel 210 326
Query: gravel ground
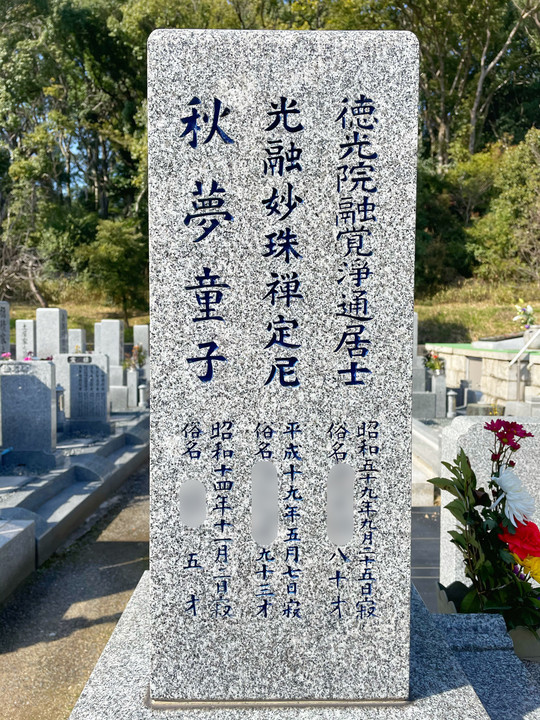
pixel 55 626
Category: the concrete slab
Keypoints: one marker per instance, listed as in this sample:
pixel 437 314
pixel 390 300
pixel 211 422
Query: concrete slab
pixel 17 554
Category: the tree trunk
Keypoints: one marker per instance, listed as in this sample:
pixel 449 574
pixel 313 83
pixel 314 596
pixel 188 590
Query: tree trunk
pixel 125 311
pixel 35 290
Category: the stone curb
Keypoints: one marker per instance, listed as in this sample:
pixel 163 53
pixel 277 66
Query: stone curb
pixel 36 519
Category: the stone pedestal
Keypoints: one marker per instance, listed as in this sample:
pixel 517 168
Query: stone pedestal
pixel 439 687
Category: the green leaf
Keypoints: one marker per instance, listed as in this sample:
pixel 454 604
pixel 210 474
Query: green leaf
pixel 506 556
pixel 471 602
pixel 494 606
pixel 445 484
pixel 457 508
pixel 458 538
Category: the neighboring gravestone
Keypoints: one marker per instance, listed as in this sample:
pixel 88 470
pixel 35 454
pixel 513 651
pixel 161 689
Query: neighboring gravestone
pixel 85 382
pixel 419 364
pixel 132 382
pixel 77 340
pixel 141 336
pixel 51 332
pixel 438 388
pixel 282 190
pixel 112 340
pixel 28 413
pixel 25 339
pixel 4 327
pixel 97 337
pixel 469 433
pixel 118 398
pixel 112 344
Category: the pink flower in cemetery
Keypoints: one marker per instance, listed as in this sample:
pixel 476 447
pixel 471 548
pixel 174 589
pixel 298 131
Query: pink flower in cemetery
pixel 506 432
pixel 6 356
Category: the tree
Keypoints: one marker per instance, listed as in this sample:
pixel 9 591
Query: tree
pixel 116 263
pixel 470 51
pixel 506 239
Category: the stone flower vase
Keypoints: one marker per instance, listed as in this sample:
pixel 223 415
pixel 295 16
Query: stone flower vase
pixel 526 644
pixel 528 334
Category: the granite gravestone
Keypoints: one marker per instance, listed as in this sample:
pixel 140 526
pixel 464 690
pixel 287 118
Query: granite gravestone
pixel 76 340
pixel 97 337
pixel 111 343
pixel 282 191
pixel 141 336
pixel 28 412
pixel 25 339
pixel 51 332
pixel 4 327
pixel 85 382
pixel 132 383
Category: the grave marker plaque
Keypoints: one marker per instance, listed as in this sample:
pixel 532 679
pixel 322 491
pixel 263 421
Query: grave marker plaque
pixel 28 407
pixel 85 382
pixel 282 191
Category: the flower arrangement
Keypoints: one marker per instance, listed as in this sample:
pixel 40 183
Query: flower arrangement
pixel 525 314
pixel 495 533
pixel 4 357
pixel 433 361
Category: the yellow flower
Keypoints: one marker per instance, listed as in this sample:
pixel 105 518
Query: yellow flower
pixel 531 565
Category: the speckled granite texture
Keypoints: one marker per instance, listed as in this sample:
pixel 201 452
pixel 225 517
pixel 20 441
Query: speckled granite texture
pixel 486 653
pixel 118 687
pixel 468 433
pixel 310 264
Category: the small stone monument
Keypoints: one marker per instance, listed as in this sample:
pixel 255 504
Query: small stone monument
pixel 141 336
pixel 76 340
pixel 97 337
pixel 28 413
pixel 85 382
pixel 111 343
pixel 51 332
pixel 282 194
pixel 4 327
pixel 25 338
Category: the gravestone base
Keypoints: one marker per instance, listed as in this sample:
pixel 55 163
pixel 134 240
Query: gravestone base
pixel 118 687
pixel 36 460
pixel 118 397
pixel 90 427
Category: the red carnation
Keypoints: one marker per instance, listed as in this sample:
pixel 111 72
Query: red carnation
pixel 525 541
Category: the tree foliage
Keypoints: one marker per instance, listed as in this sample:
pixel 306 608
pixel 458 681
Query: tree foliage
pixel 73 128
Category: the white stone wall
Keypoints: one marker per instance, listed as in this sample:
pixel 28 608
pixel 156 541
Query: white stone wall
pixel 499 381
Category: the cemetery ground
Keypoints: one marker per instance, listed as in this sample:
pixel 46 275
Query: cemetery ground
pixel 471 310
pixel 56 624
